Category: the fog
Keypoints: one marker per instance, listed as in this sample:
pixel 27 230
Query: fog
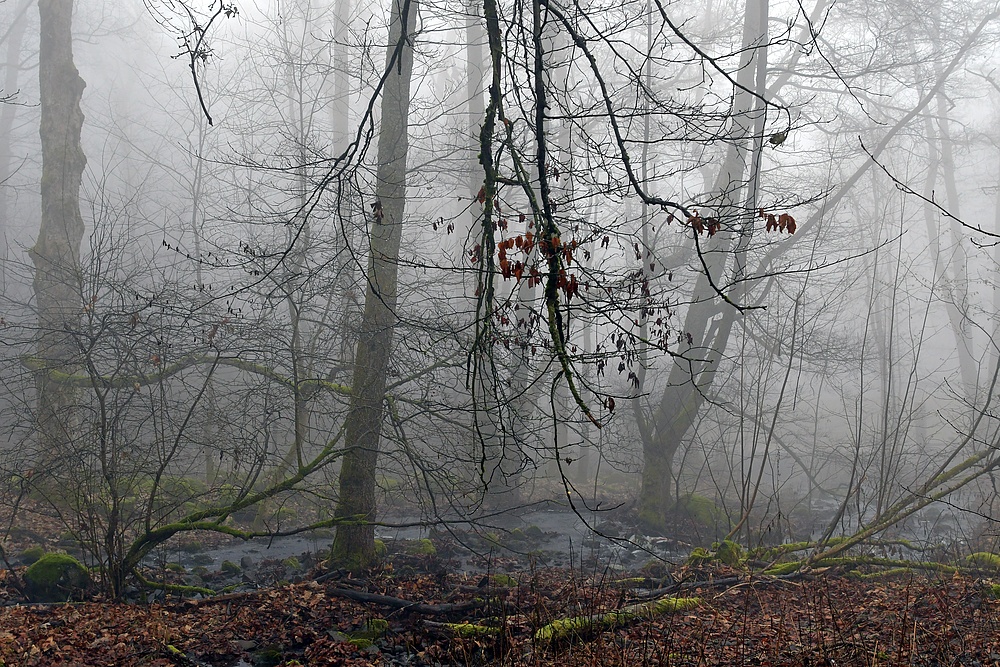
pixel 703 269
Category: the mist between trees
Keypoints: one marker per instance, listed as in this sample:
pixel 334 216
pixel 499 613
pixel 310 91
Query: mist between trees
pixel 711 264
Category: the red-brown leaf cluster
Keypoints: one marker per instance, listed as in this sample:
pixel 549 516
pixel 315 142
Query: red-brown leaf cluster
pixel 778 223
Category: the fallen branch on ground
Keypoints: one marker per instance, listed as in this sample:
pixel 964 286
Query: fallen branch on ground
pixel 569 629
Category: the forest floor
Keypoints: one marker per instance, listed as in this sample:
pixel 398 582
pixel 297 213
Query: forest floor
pixel 817 619
pixel 425 606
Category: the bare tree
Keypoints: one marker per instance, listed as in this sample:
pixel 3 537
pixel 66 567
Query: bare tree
pixel 354 542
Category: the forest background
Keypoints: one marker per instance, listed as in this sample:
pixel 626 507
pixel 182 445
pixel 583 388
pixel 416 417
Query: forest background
pixel 270 267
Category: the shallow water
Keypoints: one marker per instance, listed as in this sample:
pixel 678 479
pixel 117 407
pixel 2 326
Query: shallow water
pixel 568 538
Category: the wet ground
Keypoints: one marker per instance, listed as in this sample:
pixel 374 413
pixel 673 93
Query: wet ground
pixel 546 537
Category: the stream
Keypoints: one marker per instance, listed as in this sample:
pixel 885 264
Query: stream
pixel 543 537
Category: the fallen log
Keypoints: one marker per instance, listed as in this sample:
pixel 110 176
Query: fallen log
pixel 464 629
pixel 849 563
pixel 569 629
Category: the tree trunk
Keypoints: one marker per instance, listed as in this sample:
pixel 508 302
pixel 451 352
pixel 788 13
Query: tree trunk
pixel 694 370
pixel 957 261
pixel 950 260
pixel 354 544
pixel 347 209
pixel 56 253
pixel 15 38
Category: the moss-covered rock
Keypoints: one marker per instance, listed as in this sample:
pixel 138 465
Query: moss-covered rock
pixel 702 510
pixel 376 627
pixel 503 581
pixel 698 556
pixel 191 546
pixel 56 577
pixel 652 523
pixel 728 552
pixel 423 547
pixel 229 567
pixel 201 559
pixel 655 568
pixel 268 656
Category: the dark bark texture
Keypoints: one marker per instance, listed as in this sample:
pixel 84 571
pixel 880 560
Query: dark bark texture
pixel 56 253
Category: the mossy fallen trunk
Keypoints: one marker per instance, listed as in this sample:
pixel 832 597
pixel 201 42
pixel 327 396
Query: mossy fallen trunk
pixel 776 552
pixel 472 629
pixel 850 563
pixel 983 560
pixel 570 629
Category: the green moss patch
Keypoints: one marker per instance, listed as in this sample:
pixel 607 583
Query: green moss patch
pixel 728 552
pixel 56 577
pixel 984 559
pixel 422 547
pixel 567 629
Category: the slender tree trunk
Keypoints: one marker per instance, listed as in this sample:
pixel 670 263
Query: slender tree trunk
pixel 8 112
pixel 347 217
pixel 958 286
pixel 354 544
pixel 950 260
pixel 476 66
pixel 56 253
pixel 694 371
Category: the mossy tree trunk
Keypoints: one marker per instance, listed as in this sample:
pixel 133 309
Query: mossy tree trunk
pixel 354 543
pixel 56 253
